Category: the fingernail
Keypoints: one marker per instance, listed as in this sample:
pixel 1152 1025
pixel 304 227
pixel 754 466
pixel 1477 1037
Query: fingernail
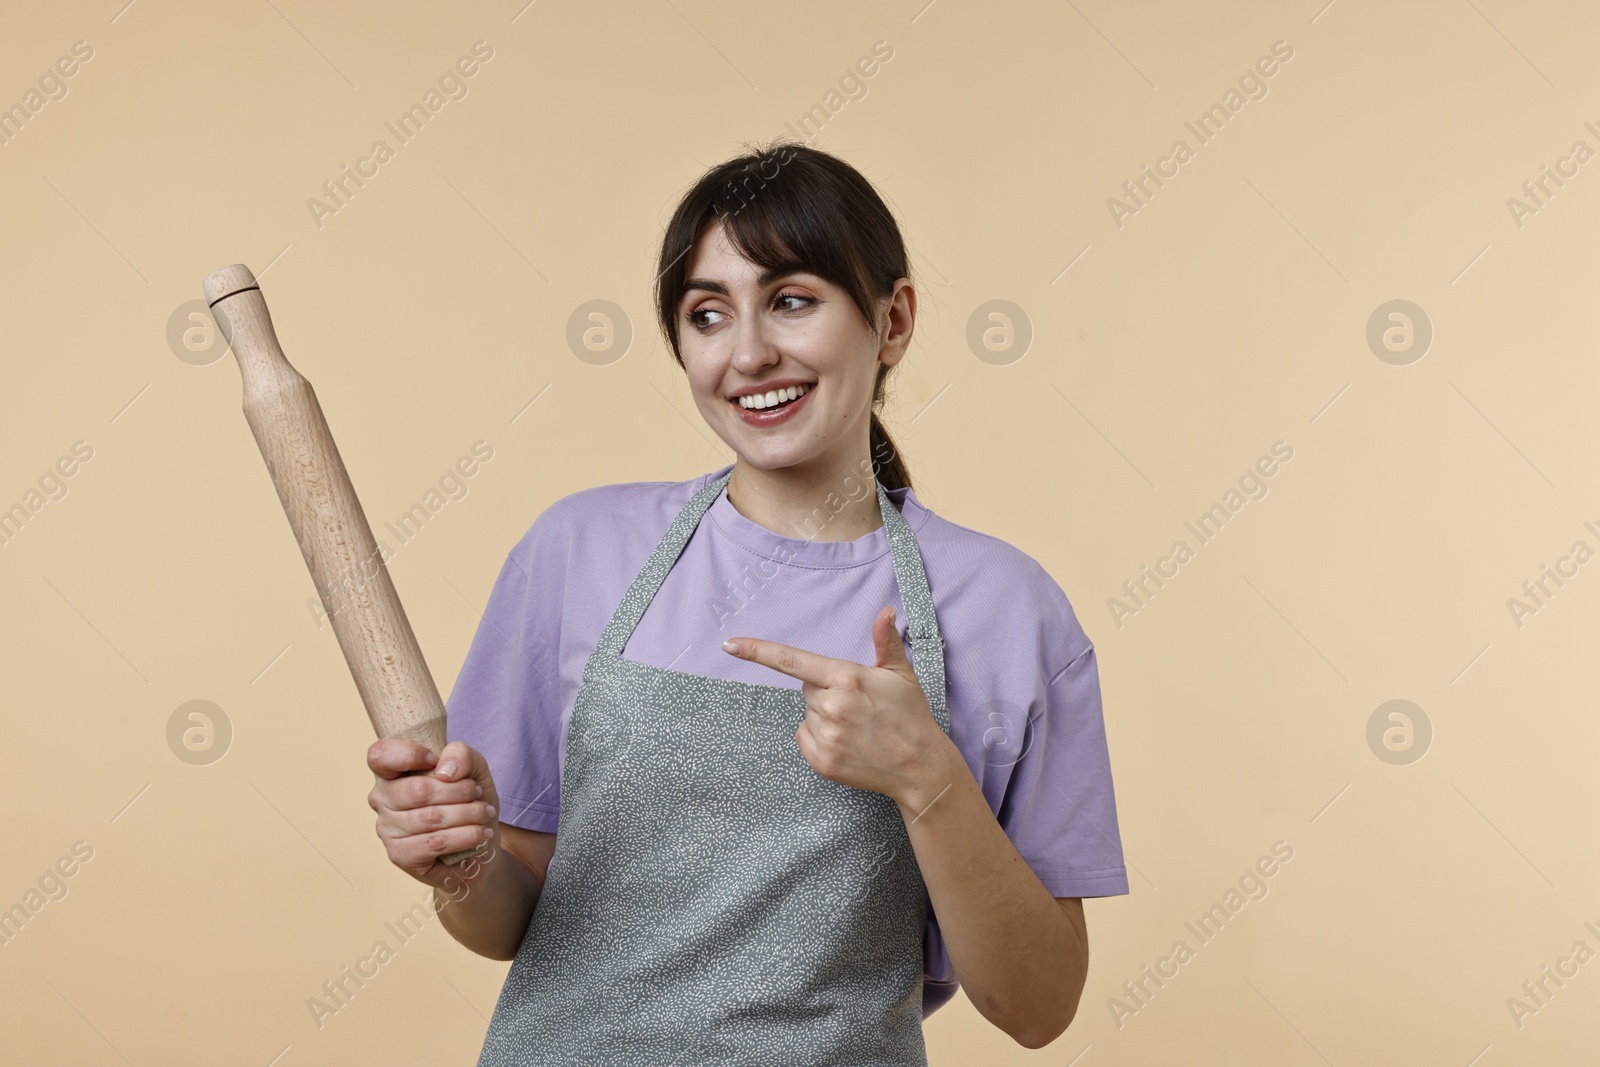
pixel 488 832
pixel 447 768
pixel 432 758
pixel 477 790
pixel 730 646
pixel 490 809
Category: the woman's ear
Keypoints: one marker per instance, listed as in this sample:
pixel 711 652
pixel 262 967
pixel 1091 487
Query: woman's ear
pixel 900 320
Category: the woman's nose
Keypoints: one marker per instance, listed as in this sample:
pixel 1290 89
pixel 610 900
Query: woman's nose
pixel 753 349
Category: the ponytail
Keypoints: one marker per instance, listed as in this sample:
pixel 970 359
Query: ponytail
pixel 808 207
pixel 887 465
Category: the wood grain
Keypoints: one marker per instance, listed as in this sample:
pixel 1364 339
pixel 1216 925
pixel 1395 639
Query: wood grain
pixel 385 660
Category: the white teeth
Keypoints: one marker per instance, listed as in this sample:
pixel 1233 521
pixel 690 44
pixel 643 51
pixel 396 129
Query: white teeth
pixel 757 401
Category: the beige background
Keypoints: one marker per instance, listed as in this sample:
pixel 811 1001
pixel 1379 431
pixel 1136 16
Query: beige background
pixel 1229 313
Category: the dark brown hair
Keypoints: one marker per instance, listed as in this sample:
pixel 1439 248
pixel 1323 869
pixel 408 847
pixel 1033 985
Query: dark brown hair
pixel 792 206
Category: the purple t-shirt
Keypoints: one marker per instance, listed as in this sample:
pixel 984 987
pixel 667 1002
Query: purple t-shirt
pixel 1023 686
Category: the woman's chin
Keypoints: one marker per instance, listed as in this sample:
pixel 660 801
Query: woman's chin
pixel 768 458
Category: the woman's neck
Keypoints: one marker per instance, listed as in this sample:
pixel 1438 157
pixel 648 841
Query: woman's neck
pixel 835 501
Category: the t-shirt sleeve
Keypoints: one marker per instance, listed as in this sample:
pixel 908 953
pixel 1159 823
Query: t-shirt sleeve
pixel 1060 810
pixel 1041 756
pixel 506 701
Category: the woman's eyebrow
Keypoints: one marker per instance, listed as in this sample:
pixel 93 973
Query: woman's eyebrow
pixel 768 276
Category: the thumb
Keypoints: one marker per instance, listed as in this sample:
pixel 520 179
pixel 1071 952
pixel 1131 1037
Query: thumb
pixel 459 760
pixel 891 650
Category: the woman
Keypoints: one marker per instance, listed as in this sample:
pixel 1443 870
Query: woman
pixel 780 755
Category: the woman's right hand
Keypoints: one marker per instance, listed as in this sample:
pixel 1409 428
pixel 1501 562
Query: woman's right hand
pixel 424 816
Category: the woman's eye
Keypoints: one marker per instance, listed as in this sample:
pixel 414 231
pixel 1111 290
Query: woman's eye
pixel 698 322
pixel 695 320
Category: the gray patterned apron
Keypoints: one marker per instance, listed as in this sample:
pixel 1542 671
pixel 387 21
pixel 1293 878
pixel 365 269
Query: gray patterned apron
pixel 711 898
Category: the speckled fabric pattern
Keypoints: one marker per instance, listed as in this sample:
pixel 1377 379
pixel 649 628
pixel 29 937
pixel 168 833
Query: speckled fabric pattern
pixel 712 899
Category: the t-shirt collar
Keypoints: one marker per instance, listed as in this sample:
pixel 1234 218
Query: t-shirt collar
pixel 803 548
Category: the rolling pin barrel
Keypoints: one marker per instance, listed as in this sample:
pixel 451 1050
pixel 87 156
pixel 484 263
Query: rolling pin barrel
pixel 328 522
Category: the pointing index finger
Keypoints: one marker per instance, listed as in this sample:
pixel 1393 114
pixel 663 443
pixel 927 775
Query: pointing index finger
pixel 786 659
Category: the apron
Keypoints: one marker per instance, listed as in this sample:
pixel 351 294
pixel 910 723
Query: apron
pixel 712 899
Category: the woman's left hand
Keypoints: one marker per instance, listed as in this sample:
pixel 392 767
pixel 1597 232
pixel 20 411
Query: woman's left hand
pixel 868 727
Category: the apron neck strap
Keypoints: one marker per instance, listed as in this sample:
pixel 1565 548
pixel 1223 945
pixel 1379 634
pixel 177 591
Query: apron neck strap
pixel 926 645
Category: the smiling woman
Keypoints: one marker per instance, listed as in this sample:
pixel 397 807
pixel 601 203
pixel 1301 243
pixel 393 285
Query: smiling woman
pixel 788 841
pixel 773 258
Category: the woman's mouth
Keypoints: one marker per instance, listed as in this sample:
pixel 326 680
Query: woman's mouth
pixel 778 405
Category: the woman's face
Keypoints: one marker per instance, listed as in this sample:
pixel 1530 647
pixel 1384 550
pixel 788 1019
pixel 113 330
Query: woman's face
pixel 745 336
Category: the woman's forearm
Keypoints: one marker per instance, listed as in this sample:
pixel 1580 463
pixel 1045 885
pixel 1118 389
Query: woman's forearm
pixel 491 915
pixel 1018 956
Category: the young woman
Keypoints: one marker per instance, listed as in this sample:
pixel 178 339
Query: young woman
pixel 779 756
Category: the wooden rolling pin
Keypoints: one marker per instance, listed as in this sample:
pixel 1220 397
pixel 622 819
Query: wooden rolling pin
pixel 395 685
